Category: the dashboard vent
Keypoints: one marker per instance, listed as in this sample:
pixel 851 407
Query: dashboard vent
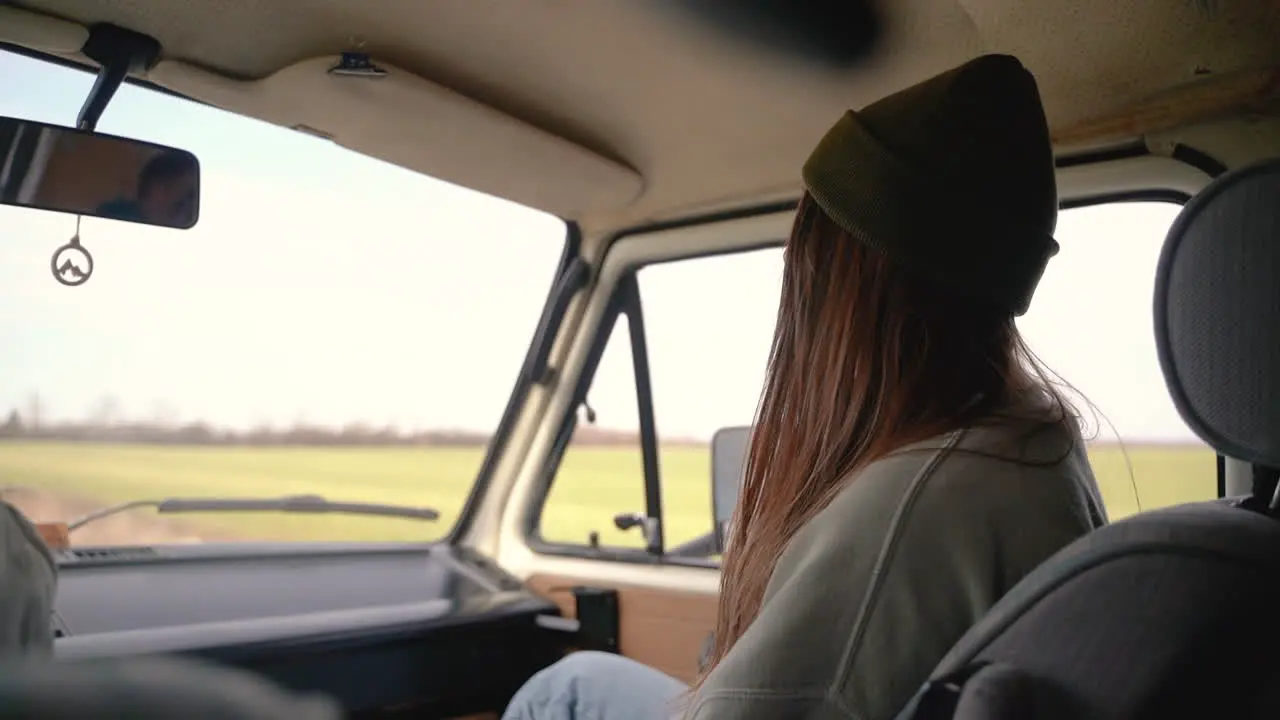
pixel 109 554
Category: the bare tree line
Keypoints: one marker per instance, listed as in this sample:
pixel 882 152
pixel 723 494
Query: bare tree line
pixel 104 424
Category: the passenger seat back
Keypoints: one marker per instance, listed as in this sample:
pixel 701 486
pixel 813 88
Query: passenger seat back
pixel 1167 613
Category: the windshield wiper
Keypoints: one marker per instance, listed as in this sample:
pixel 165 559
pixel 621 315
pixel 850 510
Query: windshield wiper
pixel 291 503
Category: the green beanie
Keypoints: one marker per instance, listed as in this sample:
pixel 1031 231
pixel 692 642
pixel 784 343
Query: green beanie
pixel 953 176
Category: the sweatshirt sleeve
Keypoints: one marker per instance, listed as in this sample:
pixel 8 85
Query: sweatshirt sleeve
pixel 28 576
pixel 873 592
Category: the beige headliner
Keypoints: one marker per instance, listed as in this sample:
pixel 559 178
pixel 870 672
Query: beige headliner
pixel 625 115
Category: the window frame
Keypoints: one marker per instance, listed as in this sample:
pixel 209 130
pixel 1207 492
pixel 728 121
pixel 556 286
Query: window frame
pixel 571 275
pixel 624 299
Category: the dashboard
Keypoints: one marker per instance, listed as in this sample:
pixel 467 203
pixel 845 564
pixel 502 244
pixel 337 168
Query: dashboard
pixel 418 630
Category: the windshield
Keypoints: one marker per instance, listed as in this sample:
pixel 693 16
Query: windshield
pixel 333 326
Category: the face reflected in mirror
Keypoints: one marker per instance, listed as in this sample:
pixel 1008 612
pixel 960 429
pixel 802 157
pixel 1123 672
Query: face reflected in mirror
pixel 48 167
pixel 165 193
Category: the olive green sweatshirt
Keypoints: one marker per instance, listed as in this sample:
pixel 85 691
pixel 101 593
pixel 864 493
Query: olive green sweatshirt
pixel 875 589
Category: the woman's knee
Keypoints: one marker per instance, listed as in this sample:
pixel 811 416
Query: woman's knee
pixel 590 663
pixel 555 686
pixel 590 684
pixel 561 678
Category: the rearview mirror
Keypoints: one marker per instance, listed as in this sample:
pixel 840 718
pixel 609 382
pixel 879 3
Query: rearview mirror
pixel 49 167
pixel 728 462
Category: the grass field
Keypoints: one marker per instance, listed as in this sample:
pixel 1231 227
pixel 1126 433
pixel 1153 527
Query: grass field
pixel 593 485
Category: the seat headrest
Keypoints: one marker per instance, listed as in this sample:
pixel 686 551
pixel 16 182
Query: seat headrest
pixel 1217 314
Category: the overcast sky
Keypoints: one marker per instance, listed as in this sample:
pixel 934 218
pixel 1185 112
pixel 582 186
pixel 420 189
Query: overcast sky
pixel 326 287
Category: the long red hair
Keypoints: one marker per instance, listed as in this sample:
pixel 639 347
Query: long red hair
pixel 867 356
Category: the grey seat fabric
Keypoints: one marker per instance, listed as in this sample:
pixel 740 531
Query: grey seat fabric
pixel 1167 613
pixel 1148 616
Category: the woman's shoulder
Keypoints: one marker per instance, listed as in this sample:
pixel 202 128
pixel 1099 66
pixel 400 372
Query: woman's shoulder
pixel 1009 466
pixel 975 495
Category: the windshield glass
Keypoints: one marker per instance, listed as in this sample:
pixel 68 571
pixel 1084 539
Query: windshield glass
pixel 334 325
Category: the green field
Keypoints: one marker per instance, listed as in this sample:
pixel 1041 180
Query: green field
pixel 594 483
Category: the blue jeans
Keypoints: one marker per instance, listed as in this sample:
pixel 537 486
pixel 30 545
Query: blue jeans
pixel 597 686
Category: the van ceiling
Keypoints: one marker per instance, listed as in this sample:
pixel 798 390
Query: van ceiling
pixel 689 119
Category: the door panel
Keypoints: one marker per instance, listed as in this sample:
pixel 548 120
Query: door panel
pixel 663 629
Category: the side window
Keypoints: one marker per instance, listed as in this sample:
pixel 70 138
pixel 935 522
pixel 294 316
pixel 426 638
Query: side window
pixel 1091 325
pixel 708 325
pixel 601 474
pixel 709 322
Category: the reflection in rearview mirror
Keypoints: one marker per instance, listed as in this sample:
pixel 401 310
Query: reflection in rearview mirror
pixel 49 167
pixel 728 462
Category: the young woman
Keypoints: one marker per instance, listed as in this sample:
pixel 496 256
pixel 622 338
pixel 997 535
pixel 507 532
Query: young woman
pixel 909 464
